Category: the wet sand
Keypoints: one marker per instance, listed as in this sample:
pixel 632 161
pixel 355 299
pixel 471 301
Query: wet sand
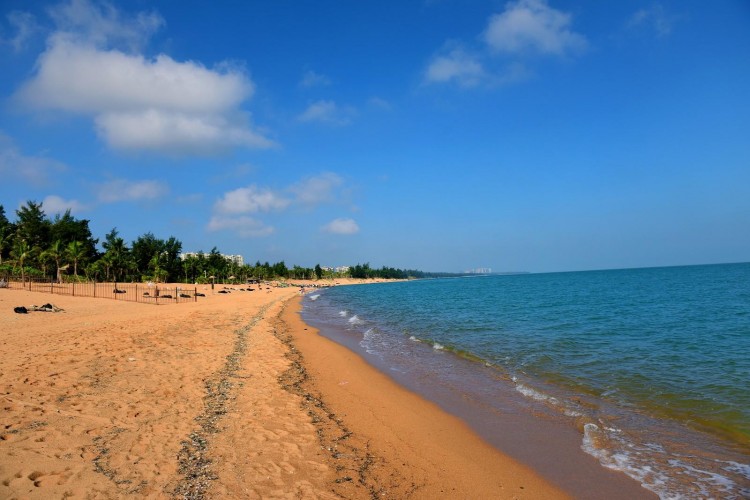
pixel 229 397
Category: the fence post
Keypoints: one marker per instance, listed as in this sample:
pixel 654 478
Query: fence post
pixel 74 289
pixel 51 285
pixel 94 287
pixel 195 294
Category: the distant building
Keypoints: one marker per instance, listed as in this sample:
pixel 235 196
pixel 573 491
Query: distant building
pixel 236 259
pixel 337 269
pixel 480 270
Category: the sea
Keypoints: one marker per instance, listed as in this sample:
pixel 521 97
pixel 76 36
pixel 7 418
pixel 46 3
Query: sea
pixel 646 370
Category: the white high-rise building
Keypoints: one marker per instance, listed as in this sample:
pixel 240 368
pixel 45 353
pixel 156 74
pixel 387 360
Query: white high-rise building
pixel 236 259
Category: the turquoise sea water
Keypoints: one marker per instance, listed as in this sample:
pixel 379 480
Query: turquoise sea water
pixel 651 365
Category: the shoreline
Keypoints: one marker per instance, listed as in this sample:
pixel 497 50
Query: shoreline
pixel 528 434
pixel 411 444
pixel 231 396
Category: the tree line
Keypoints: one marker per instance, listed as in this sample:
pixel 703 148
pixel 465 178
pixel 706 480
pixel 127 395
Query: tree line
pixel 63 248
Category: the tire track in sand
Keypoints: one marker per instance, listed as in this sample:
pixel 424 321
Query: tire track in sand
pixel 195 464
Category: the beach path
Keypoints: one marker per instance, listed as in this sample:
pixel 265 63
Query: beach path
pixel 232 396
pixel 112 399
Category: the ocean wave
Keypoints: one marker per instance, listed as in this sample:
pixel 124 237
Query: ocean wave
pixel 438 347
pixel 657 471
pixel 314 297
pixel 343 314
pixel 534 394
pixel 354 320
pixel 597 443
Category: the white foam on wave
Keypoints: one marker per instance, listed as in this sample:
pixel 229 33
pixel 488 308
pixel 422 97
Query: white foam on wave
pixel 354 320
pixel 314 297
pixel 637 461
pixel 742 469
pixel 343 314
pixel 534 394
pixel 414 339
pixel 438 347
pixel 545 398
pixel 595 444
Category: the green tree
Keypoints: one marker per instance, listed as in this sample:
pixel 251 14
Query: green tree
pixel 32 225
pixel 190 268
pixel 6 229
pixel 4 222
pixel 318 271
pixel 216 264
pixel 5 242
pixel 143 250
pixel 280 270
pixel 75 252
pixel 172 265
pixel 21 252
pixel 155 266
pixel 67 228
pixel 116 255
pixel 56 252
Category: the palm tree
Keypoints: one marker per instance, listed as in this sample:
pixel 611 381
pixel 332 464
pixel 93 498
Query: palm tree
pixel 75 252
pixel 4 242
pixel 21 251
pixel 56 252
pixel 117 255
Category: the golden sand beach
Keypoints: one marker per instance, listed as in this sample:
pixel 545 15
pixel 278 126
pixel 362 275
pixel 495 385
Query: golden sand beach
pixel 232 396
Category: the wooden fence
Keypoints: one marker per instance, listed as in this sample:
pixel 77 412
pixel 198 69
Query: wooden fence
pixel 131 292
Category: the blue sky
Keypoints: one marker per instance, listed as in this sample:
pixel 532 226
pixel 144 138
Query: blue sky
pixel 442 135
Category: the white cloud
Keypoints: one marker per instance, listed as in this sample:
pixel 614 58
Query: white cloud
pixel 327 112
pixel 523 29
pixel 25 26
pixel 124 190
pixel 318 189
pixel 102 24
pixel 54 204
pixel 244 226
pixel 176 133
pixel 250 199
pixel 83 79
pixel 237 210
pixel 313 79
pixel 455 65
pixel 379 103
pixel 139 103
pixel 654 17
pixel 37 170
pixel 341 226
pixel 533 26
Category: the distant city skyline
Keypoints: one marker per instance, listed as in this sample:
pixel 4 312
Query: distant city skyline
pixel 522 135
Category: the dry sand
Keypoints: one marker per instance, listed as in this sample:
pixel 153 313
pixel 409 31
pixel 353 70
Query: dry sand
pixel 229 397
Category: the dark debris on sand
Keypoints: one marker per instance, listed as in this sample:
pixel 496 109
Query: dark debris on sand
pixel 356 466
pixel 195 465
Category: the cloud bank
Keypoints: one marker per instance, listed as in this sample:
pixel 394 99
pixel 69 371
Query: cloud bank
pixel 341 226
pixel 238 210
pixel 524 29
pixel 119 190
pixel 532 26
pixel 54 204
pixel 137 102
pixel 327 112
